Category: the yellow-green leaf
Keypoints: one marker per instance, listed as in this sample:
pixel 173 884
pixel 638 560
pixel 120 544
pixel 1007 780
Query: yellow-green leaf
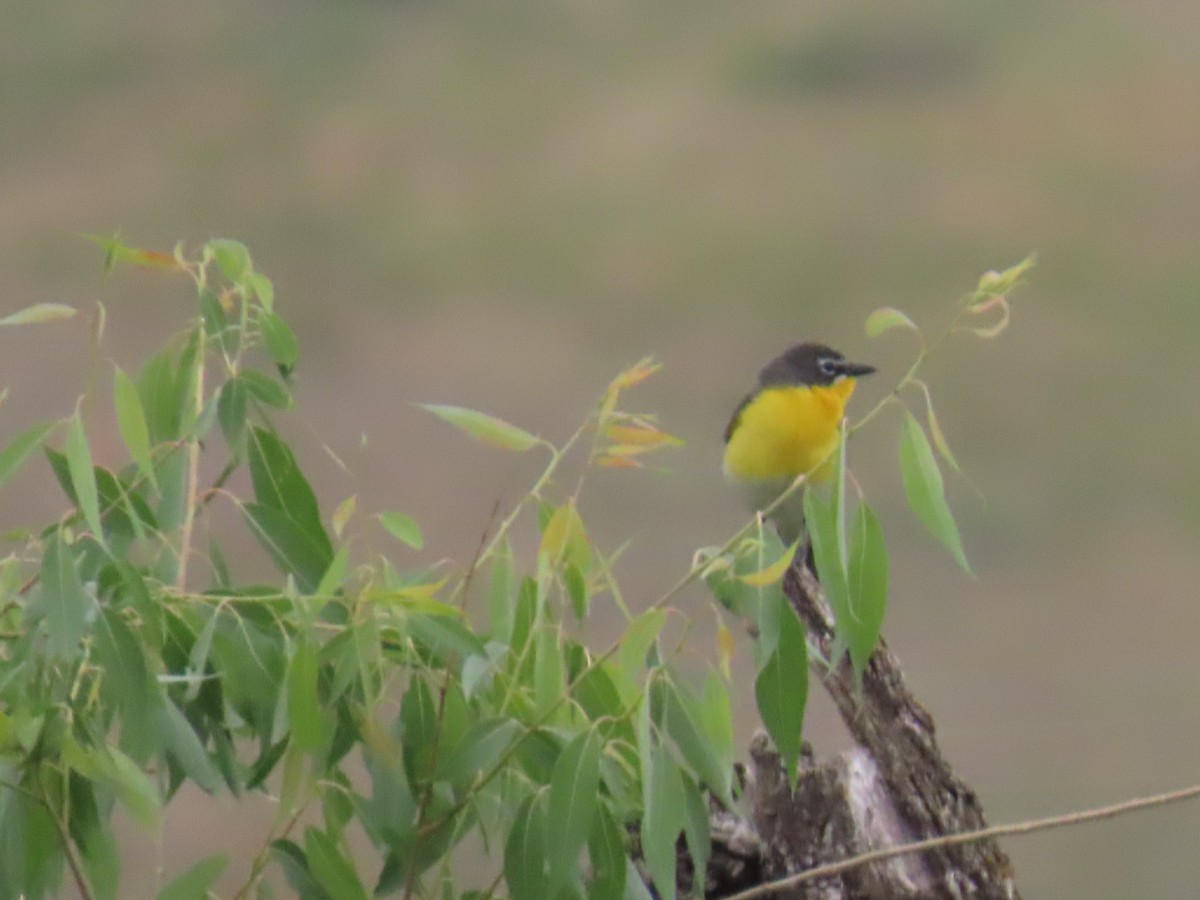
pixel 887 318
pixel 195 883
pixel 994 283
pixel 232 258
pixel 403 528
pixel 565 540
pixel 131 419
pixel 772 573
pixel 14 455
pixel 725 648
pixel 416 596
pixel 925 490
pixel 484 427
pixel 263 289
pixel 83 478
pixel 343 513
pixel 38 313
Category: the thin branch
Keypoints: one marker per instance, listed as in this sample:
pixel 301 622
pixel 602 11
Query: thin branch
pixel 193 474
pixel 950 840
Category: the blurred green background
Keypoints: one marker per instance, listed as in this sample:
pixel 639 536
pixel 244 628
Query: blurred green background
pixel 499 205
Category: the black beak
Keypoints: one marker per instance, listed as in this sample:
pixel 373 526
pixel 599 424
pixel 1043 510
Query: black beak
pixel 855 370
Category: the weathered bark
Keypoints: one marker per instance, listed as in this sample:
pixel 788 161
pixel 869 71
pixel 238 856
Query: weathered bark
pixel 893 788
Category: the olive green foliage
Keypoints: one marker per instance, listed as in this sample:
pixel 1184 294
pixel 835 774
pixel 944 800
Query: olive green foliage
pixel 133 661
pixel 425 706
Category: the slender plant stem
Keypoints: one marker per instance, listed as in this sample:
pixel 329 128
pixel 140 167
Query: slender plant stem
pixel 193 473
pixel 260 861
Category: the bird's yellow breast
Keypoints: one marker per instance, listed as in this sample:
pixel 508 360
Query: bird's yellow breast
pixel 787 431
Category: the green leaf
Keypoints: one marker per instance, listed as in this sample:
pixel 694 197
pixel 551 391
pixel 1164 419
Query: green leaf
pixel 572 806
pixel 680 719
pixel 548 670
pixel 213 316
pixel 477 752
pixel 715 716
pixel 265 389
pixel 263 289
pixel 92 834
pixel 67 605
pixel 156 384
pixel 663 818
pixel 781 689
pixel 606 852
pixel 231 411
pixel 195 883
pixel 307 721
pixel 331 581
pixel 418 719
pixel 635 644
pixel 635 888
pixel 597 695
pixel 294 863
pixel 868 587
pixel 696 829
pixel 525 860
pixel 280 486
pixel 127 683
pixel 296 551
pixel 233 259
pixel 280 341
pixel 403 528
pixel 925 490
pixel 83 479
pixel 333 871
pixel 278 481
pixel 389 811
pixel 761 602
pixel 14 455
pixel 819 518
pixel 577 590
pixel 502 592
pixel 993 283
pixel 524 615
pixel 133 788
pixel 887 318
pixel 187 379
pixel 39 312
pixel 444 637
pixel 184 745
pixel 483 427
pixel 131 419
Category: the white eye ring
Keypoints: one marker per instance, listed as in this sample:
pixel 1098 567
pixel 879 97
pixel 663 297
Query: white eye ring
pixel 828 366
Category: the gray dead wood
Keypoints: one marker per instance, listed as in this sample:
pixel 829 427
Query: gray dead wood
pixel 894 787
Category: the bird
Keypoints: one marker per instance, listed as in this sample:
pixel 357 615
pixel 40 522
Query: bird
pixel 788 426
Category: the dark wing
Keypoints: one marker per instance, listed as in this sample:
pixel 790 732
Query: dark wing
pixel 737 414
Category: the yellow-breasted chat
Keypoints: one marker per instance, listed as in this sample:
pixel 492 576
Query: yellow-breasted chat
pixel 788 426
